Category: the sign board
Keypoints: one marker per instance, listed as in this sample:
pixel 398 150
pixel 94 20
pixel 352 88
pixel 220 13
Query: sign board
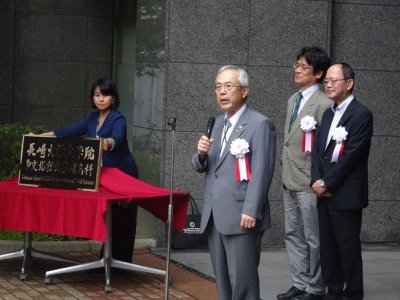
pixel 60 162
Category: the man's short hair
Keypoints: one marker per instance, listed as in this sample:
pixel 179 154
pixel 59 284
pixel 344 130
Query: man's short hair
pixel 243 77
pixel 317 58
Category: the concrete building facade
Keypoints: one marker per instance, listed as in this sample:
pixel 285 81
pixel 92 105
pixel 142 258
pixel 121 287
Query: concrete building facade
pixel 164 56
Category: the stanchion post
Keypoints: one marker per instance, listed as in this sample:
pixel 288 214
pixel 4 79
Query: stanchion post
pixel 172 123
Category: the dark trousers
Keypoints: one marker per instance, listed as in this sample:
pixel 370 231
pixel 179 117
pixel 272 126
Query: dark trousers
pixel 340 246
pixel 123 231
pixel 124 217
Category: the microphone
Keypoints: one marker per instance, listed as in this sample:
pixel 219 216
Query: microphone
pixel 210 126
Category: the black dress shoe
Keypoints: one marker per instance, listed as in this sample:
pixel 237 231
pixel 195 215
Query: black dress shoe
pixel 292 292
pixel 309 296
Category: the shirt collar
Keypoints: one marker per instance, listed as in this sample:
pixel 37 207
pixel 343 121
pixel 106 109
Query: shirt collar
pixel 233 120
pixel 342 106
pixel 309 91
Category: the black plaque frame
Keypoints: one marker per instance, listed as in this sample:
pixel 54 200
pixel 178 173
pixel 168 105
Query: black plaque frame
pixel 60 162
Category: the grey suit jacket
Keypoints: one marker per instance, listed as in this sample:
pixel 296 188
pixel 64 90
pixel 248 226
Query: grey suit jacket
pixel 296 165
pixel 224 197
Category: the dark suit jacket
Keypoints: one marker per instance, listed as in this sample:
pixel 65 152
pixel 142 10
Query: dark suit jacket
pixel 224 197
pixel 347 179
pixel 114 126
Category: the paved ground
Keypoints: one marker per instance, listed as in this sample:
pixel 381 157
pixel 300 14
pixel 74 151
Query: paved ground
pixel 381 270
pixel 90 284
pixel 191 274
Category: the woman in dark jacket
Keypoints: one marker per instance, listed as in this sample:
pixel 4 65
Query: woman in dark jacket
pixel 108 123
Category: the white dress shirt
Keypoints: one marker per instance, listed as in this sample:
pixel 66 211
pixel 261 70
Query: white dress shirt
pixel 338 113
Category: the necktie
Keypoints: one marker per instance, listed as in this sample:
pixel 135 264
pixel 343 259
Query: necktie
pixel 226 128
pixel 295 110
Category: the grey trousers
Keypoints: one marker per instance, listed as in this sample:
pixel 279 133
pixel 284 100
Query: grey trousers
pixel 235 260
pixel 302 240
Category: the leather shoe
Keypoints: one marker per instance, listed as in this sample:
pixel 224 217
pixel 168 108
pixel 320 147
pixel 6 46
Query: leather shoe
pixel 309 296
pixel 292 292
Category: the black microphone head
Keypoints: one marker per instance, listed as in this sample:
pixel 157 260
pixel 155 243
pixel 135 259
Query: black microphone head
pixel 210 126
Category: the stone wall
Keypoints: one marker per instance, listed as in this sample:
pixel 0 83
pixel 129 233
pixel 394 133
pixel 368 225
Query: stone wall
pixel 264 38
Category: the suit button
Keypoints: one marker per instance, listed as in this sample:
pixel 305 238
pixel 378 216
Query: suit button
pixel 216 176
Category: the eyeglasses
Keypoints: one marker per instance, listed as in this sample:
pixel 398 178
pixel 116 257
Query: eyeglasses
pixel 332 80
pixel 227 86
pixel 303 67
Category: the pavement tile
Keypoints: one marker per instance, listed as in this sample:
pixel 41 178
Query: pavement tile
pixel 90 284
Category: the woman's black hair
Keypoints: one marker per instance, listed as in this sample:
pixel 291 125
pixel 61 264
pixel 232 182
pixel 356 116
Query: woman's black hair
pixel 107 88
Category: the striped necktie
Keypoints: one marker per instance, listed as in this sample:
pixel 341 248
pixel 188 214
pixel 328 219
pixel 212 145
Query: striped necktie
pixel 295 109
pixel 226 128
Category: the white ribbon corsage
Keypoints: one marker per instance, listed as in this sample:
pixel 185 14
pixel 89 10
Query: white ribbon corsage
pixel 307 124
pixel 239 148
pixel 339 134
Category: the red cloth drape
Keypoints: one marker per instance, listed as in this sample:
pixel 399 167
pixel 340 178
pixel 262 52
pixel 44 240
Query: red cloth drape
pixel 81 213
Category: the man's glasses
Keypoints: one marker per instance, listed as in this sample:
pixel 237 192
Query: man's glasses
pixel 303 67
pixel 226 86
pixel 332 80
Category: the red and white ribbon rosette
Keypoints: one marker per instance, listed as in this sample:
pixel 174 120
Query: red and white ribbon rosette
pixel 240 148
pixel 307 124
pixel 339 134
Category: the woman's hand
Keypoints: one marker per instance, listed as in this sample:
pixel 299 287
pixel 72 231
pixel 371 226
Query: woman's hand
pixel 108 144
pixel 50 133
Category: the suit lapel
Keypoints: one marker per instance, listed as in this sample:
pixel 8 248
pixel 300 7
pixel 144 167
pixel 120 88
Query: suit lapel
pixel 324 130
pixel 306 110
pixel 218 128
pixel 347 114
pixel 236 133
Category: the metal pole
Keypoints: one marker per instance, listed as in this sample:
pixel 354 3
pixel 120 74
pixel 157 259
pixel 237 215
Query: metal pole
pixel 172 123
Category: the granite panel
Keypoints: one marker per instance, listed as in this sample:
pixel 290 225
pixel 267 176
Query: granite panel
pixel 7 6
pixel 381 221
pixel 280 28
pixel 373 2
pixel 148 147
pixel 185 177
pixel 203 31
pixel 275 236
pixel 384 166
pixel 275 190
pixel 270 89
pixel 5 113
pixel 124 10
pixel 149 96
pixel 150 26
pixel 379 91
pixel 51 117
pixel 60 7
pixel 366 36
pixel 6 74
pixel 53 37
pixel 100 8
pixel 99 40
pixel 6 35
pixel 51 83
pixel 190 95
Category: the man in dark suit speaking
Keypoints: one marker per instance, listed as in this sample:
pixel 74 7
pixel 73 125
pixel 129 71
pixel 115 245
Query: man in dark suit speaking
pixel 238 159
pixel 339 178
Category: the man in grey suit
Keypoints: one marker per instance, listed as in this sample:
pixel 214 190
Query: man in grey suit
pixel 304 112
pixel 239 160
